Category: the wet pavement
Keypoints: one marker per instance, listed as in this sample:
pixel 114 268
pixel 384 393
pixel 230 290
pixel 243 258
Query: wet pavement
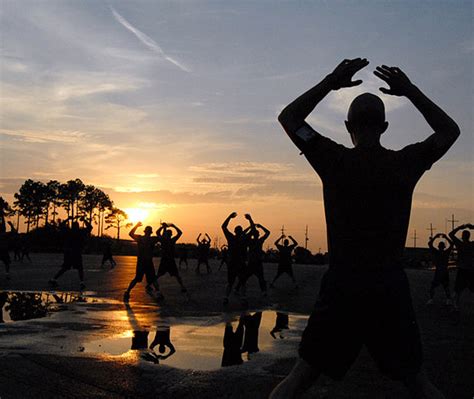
pixel 82 345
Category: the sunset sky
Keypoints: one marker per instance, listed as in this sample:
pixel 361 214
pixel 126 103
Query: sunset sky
pixel 171 106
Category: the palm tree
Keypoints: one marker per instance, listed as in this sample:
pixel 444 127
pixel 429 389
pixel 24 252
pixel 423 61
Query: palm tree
pixel 116 219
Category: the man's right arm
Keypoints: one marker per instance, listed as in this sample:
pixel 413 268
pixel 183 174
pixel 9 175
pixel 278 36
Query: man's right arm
pixel 293 116
pixel 453 233
pixel 134 229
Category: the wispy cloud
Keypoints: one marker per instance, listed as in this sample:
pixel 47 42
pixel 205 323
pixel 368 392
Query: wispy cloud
pixel 147 41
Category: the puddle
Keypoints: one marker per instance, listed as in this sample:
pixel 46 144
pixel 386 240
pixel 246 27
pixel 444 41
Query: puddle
pixel 206 343
pixel 27 305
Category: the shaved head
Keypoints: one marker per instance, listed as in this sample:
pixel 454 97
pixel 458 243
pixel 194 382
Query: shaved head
pixel 366 109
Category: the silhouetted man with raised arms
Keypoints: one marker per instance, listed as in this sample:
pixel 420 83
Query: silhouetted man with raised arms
pixel 285 259
pixel 145 246
pixel 440 260
pixel 204 245
pixel 465 261
pixel 255 256
pixel 168 246
pixel 364 296
pixel 237 253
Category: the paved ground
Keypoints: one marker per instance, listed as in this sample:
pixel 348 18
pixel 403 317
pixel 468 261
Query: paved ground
pixel 38 358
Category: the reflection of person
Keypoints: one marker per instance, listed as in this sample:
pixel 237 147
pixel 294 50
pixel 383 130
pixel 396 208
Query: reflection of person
pixel 163 340
pixel 203 247
pixel 74 242
pixel 145 245
pixel 168 244
pixel 255 256
pixel 440 260
pixel 232 343
pixel 367 199
pixel 252 325
pixel 281 323
pixel 465 261
pixel 285 260
pixel 3 301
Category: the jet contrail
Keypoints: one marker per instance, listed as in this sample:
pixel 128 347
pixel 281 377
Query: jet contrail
pixel 147 41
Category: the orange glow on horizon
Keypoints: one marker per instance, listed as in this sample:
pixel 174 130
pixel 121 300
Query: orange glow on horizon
pixel 137 214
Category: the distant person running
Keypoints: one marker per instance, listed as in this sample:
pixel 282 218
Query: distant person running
pixel 224 251
pixel 16 243
pixel 4 254
pixel 255 257
pixel 183 257
pixel 203 248
pixel 440 260
pixel 285 261
pixel 107 255
pixel 465 261
pixel 168 244
pixel 367 199
pixel 74 240
pixel 145 246
pixel 237 253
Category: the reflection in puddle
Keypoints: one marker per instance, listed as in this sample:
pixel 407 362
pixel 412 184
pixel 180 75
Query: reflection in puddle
pixel 17 305
pixel 207 343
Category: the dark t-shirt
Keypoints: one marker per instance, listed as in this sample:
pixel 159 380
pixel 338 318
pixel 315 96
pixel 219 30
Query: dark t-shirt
pixel 285 254
pixel 168 247
pixel 75 239
pixel 237 247
pixel 441 258
pixel 255 249
pixel 203 250
pixel 465 254
pixel 367 198
pixel 145 246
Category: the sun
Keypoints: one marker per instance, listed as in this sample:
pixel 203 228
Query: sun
pixel 136 214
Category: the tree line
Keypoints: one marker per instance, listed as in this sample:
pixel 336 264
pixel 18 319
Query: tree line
pixel 40 204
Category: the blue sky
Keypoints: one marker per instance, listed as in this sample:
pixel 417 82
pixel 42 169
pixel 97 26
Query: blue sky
pixel 177 100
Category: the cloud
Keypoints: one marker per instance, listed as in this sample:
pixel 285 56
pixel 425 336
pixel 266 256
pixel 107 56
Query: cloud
pixel 45 137
pixel 148 41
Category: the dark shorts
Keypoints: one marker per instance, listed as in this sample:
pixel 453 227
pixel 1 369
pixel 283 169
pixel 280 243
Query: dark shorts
pixel 234 270
pixel 464 279
pixel 378 314
pixel 441 277
pixel 72 260
pixel 285 268
pixel 145 268
pixel 5 257
pixel 168 265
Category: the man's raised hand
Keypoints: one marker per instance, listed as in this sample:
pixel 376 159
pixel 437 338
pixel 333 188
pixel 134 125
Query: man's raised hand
pixel 233 215
pixel 399 83
pixel 344 72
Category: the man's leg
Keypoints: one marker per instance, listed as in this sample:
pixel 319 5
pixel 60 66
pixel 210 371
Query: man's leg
pixel 61 271
pixel 301 377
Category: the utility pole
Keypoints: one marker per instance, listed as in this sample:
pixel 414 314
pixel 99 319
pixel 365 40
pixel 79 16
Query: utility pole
pixel 306 239
pixel 414 239
pixel 452 221
pixel 431 229
pixel 283 230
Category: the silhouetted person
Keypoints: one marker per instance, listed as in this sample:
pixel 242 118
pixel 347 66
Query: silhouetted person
pixel 3 301
pixel 16 244
pixel 203 248
pixel 25 246
pixel 367 199
pixel 440 260
pixel 168 244
pixel 145 246
pixel 281 323
pixel 252 325
pixel 255 256
pixel 237 253
pixel 285 259
pixel 224 252
pixel 465 262
pixel 107 255
pixel 232 344
pixel 183 257
pixel 4 254
pixel 74 240
pixel 163 340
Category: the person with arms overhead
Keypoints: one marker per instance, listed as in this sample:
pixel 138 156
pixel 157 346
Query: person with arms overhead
pixel 367 194
pixel 145 246
pixel 203 247
pixel 168 245
pixel 285 260
pixel 465 263
pixel 237 243
pixel 440 260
